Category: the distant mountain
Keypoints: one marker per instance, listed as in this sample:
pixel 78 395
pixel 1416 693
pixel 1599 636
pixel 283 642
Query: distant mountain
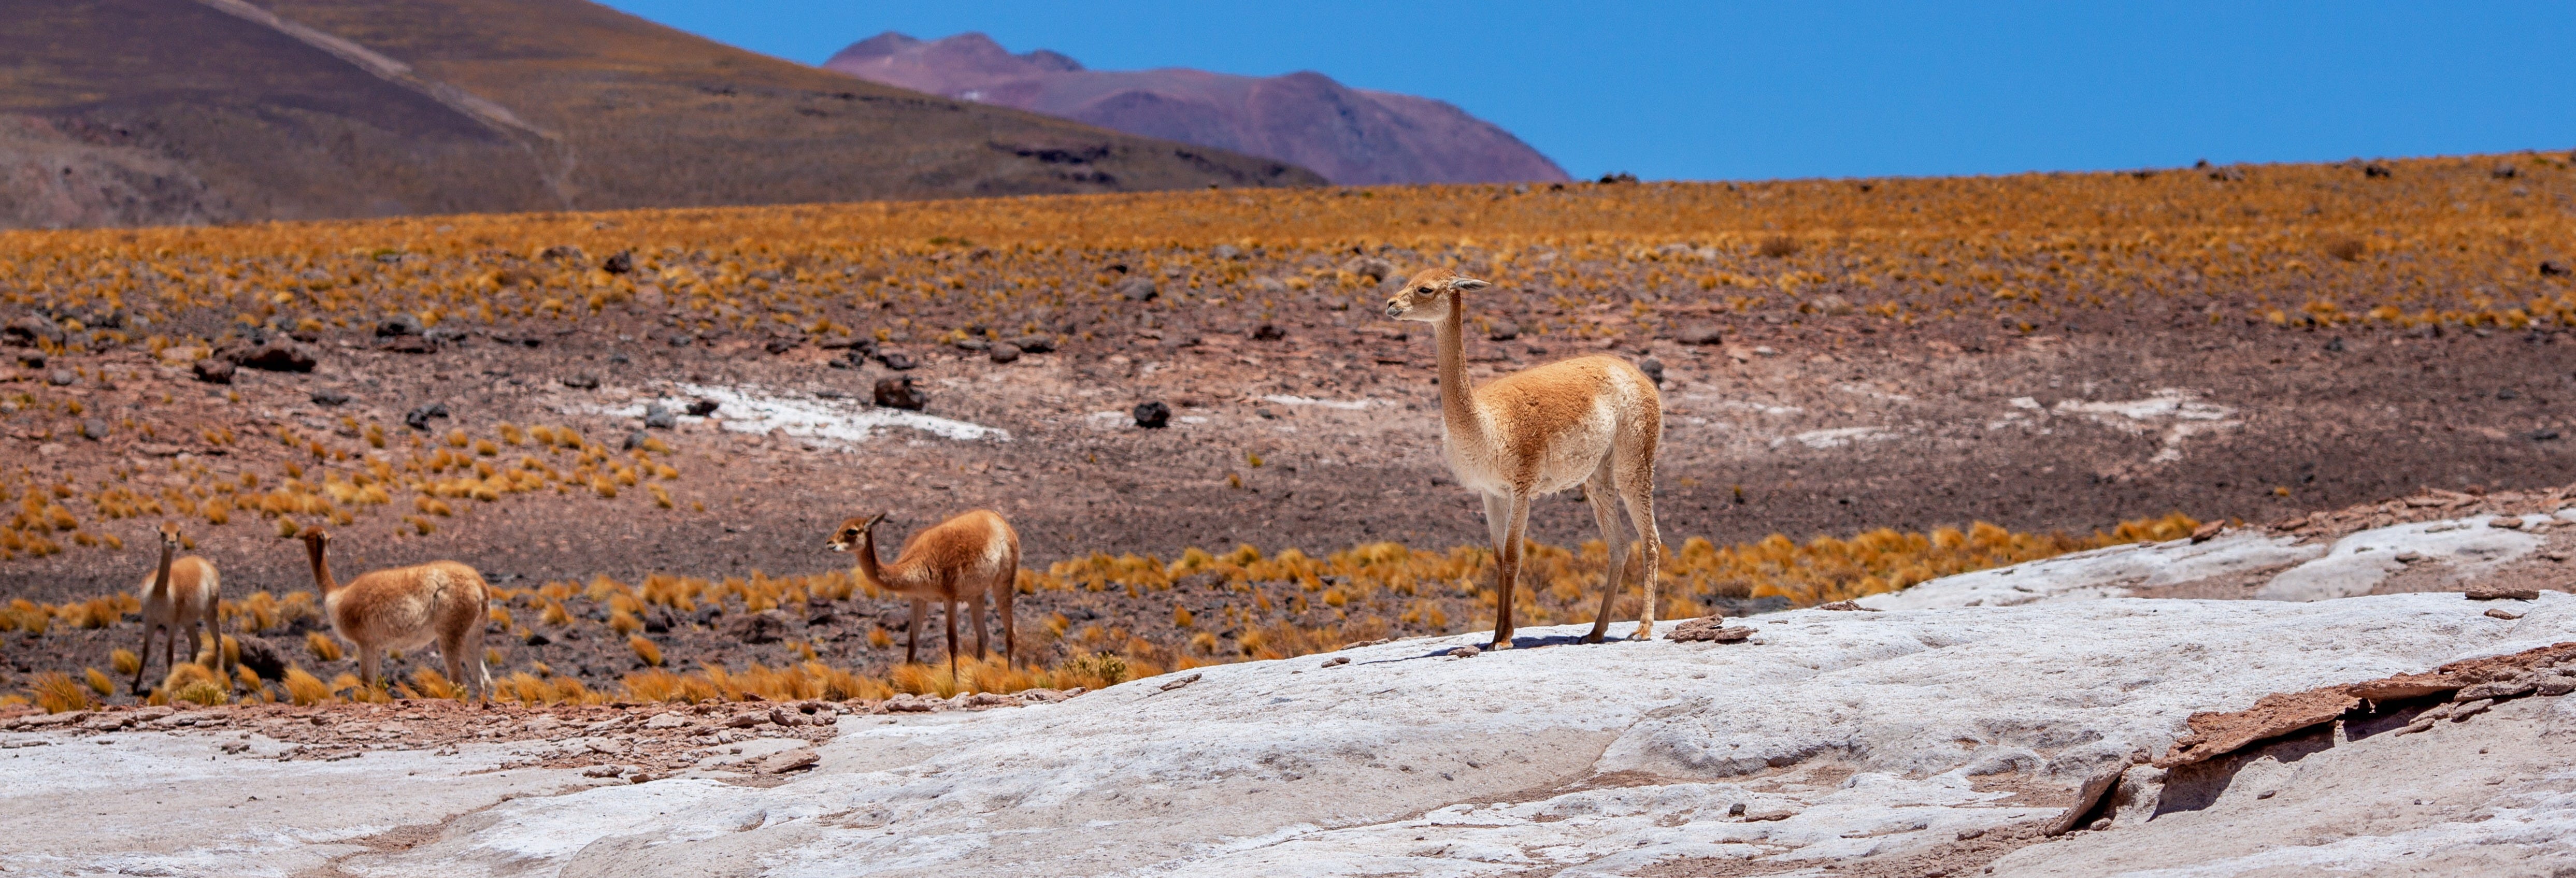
pixel 137 112
pixel 1352 136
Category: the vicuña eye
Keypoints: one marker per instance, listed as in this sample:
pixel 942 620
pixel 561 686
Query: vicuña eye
pixel 1423 290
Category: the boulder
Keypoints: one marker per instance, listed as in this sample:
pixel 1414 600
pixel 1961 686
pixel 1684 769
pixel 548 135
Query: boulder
pixel 1152 415
pixel 26 331
pixel 766 626
pixel 270 355
pixel 213 370
pixel 899 393
pixel 1136 289
pixel 1699 334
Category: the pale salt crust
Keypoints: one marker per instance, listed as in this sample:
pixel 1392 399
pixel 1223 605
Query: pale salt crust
pixel 828 422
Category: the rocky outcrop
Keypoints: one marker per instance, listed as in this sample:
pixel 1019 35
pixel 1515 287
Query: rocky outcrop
pixel 1351 136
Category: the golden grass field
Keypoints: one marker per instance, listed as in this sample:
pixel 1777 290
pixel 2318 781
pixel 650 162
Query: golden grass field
pixel 2466 243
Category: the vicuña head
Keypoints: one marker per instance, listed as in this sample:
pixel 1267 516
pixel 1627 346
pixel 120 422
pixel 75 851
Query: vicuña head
pixel 1430 295
pixel 852 532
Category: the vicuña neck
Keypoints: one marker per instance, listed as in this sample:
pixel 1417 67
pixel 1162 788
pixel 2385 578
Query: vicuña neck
pixel 870 571
pixel 161 576
pixel 1457 400
pixel 322 570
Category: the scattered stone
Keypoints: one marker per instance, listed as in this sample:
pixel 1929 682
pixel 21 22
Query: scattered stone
pixel 27 330
pixel 214 371
pixel 766 626
pixel 1768 815
pixel 2468 709
pixel 1699 334
pixel 659 417
pixel 2501 613
pixel 1005 352
pixel 410 344
pixel 603 771
pixel 2215 734
pixel 1468 651
pixel 418 418
pixel 1268 332
pixel 1336 661
pixel 93 429
pixel 2334 345
pixel 2543 435
pixel 261 656
pixel 2090 794
pixel 1152 415
pixel 537 638
pixel 778 346
pixel 702 407
pixel 62 378
pixel 1505 329
pixel 2554 686
pixel 2207 530
pixel 973 344
pixel 327 397
pixel 636 440
pixel 1184 681
pixel 1371 267
pixel 1136 289
pixel 32 359
pixel 1035 343
pixel 2409 557
pixel 1964 834
pixel 619 263
pixel 581 381
pixel 2497 690
pixel 1709 629
pixel 2490 592
pixel 898 393
pixel 896 360
pixel 1653 368
pixel 2507 522
pixel 396 325
pixel 1846 606
pixel 270 355
pixel 2550 268
pixel 792 760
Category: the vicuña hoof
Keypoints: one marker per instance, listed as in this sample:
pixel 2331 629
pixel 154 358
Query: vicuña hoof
pixel 1504 643
pixel 1594 637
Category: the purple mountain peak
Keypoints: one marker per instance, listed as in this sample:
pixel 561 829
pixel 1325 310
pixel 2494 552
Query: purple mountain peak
pixel 1351 136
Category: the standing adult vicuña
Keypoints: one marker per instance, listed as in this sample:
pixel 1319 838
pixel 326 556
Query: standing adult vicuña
pixel 1590 421
pixel 407 608
pixel 179 596
pixel 967 558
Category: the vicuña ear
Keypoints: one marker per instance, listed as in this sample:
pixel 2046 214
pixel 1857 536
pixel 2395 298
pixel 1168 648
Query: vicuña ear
pixel 1463 284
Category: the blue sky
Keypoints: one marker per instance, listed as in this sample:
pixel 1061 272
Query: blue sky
pixel 1831 89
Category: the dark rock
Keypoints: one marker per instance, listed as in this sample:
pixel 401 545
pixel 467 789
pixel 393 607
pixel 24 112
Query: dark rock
pixel 635 440
pixel 2508 393
pixel 681 340
pixel 620 263
pixel 1005 352
pixel 93 429
pixel 659 620
pixel 538 638
pixel 1699 333
pixel 272 355
pixel 1153 415
pixel 581 381
pixel 409 344
pixel 2505 172
pixel 62 378
pixel 214 371
pixel 327 397
pixel 1035 344
pixel 32 359
pixel 700 408
pixel 261 656
pixel 1268 332
pixel 1615 177
pixel 659 417
pixel 1468 651
pixel 1370 267
pixel 1136 289
pixel 445 335
pixel 896 360
pixel 706 615
pixel 778 346
pixel 1653 368
pixel 2493 592
pixel 1709 629
pixel 1505 329
pixel 766 626
pixel 418 418
pixel 898 393
pixel 1226 251
pixel 973 344
pixel 2334 346
pixel 2375 170
pixel 397 324
pixel 2543 435
pixel 27 330
pixel 2551 268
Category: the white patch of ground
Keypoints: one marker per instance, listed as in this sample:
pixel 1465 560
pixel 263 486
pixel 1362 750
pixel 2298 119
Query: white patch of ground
pixel 2467 547
pixel 1348 405
pixel 1837 437
pixel 828 422
pixel 2176 414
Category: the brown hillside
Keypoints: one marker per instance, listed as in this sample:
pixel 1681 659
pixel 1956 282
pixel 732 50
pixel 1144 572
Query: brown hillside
pixel 122 112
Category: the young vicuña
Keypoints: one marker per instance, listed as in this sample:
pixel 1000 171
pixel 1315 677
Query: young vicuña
pixel 969 557
pixel 179 596
pixel 407 608
pixel 1591 421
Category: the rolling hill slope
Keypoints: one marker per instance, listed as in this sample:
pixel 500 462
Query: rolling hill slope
pixel 124 112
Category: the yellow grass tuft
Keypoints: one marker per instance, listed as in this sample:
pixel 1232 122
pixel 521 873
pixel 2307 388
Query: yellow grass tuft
pixel 98 682
pixel 125 662
pixel 322 646
pixel 192 682
pixel 645 650
pixel 305 689
pixel 429 683
pixel 57 692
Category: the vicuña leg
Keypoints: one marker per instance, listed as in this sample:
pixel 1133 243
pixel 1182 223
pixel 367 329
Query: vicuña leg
pixel 912 633
pixel 145 662
pixel 1597 494
pixel 1507 561
pixel 949 609
pixel 369 658
pixel 1637 489
pixel 1010 628
pixel 975 612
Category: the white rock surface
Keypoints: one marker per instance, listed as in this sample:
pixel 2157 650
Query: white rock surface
pixel 1874 732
